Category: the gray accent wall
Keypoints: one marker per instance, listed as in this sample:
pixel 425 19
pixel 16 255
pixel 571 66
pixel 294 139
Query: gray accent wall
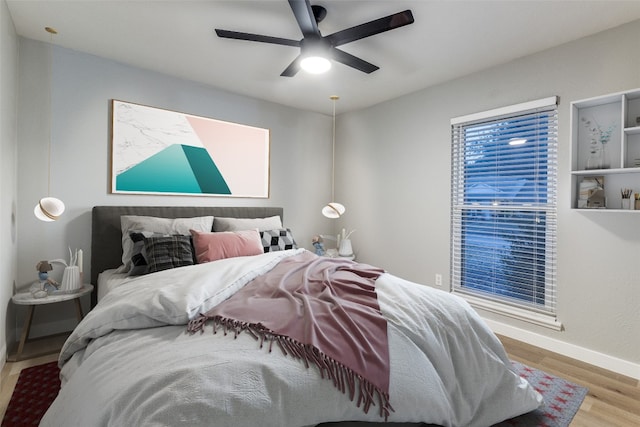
pixel 82 87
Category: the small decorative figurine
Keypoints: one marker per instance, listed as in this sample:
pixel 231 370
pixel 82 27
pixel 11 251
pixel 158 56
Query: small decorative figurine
pixel 317 243
pixel 47 284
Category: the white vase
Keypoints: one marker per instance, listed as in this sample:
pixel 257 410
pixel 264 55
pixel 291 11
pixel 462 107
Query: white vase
pixel 345 248
pixel 71 279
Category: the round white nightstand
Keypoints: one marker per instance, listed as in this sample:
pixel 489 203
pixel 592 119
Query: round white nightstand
pixel 25 298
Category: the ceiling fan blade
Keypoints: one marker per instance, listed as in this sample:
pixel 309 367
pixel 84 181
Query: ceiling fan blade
pixel 353 61
pixel 256 38
pixel 371 28
pixel 304 15
pixel 293 68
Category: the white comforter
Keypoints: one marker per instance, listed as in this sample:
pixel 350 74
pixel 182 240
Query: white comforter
pixel 131 363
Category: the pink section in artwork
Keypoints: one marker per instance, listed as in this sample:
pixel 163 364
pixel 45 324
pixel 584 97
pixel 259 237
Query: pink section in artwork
pixel 240 152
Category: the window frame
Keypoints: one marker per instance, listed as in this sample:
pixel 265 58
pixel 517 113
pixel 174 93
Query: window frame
pixel 540 315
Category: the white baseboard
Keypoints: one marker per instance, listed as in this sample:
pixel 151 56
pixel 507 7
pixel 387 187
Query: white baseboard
pixel 592 357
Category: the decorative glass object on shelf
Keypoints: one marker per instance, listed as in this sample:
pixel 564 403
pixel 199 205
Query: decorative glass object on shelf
pixel 605 160
pixel 594 161
pixel 598 149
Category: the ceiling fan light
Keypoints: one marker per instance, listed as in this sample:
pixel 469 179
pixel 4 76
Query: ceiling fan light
pixel 315 64
pixel 333 210
pixel 49 209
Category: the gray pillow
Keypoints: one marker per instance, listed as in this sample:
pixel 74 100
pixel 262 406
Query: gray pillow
pixel 241 224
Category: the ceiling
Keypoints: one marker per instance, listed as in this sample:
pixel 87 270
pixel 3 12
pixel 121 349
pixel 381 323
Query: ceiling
pixel 449 39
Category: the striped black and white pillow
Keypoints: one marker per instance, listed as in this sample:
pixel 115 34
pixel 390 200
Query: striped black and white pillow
pixel 167 252
pixel 139 264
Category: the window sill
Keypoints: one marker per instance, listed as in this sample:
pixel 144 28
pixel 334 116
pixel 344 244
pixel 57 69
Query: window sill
pixel 546 320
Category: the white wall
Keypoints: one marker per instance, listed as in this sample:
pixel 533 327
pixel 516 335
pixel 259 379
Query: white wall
pixel 82 87
pixel 397 189
pixel 8 164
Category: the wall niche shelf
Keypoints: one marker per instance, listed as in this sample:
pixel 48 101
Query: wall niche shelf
pixel 595 187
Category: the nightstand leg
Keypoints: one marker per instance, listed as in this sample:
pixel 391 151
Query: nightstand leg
pixel 25 331
pixel 79 309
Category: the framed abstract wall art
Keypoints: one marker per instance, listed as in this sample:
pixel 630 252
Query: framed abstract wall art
pixel 156 151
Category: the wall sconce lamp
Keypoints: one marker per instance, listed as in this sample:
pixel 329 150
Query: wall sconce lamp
pixel 49 208
pixel 333 209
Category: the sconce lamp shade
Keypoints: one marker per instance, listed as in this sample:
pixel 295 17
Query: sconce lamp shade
pixel 49 209
pixel 333 210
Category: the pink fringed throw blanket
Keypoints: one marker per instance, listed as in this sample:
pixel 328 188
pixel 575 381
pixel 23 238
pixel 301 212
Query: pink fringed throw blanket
pixel 323 311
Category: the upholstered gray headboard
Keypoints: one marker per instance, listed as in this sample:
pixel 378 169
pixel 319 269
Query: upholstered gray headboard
pixel 106 237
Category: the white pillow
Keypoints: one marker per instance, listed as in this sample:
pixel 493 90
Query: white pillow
pixel 156 225
pixel 241 224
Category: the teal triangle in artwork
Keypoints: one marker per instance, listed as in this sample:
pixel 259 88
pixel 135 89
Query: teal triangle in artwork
pixel 176 169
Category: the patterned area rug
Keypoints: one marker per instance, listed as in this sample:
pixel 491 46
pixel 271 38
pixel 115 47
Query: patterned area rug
pixel 562 399
pixel 38 386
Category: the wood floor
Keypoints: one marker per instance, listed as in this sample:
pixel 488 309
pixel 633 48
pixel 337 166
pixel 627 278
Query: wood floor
pixel 613 400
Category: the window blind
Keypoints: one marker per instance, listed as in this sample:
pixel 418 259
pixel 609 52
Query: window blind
pixel 504 205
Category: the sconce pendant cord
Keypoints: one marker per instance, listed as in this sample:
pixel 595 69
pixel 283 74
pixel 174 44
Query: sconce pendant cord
pixel 49 155
pixel 52 31
pixel 333 154
pixel 333 209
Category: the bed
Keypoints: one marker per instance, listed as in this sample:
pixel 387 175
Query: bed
pixel 381 349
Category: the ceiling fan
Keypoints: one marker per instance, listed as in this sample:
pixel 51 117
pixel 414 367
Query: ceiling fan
pixel 314 44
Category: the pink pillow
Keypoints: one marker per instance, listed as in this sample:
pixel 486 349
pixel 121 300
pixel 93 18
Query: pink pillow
pixel 226 244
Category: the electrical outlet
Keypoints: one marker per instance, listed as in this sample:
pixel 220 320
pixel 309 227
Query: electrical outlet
pixel 438 279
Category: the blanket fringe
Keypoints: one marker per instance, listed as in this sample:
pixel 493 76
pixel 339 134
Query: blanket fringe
pixel 344 378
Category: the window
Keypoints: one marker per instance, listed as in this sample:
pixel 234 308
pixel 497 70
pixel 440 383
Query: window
pixel 503 204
